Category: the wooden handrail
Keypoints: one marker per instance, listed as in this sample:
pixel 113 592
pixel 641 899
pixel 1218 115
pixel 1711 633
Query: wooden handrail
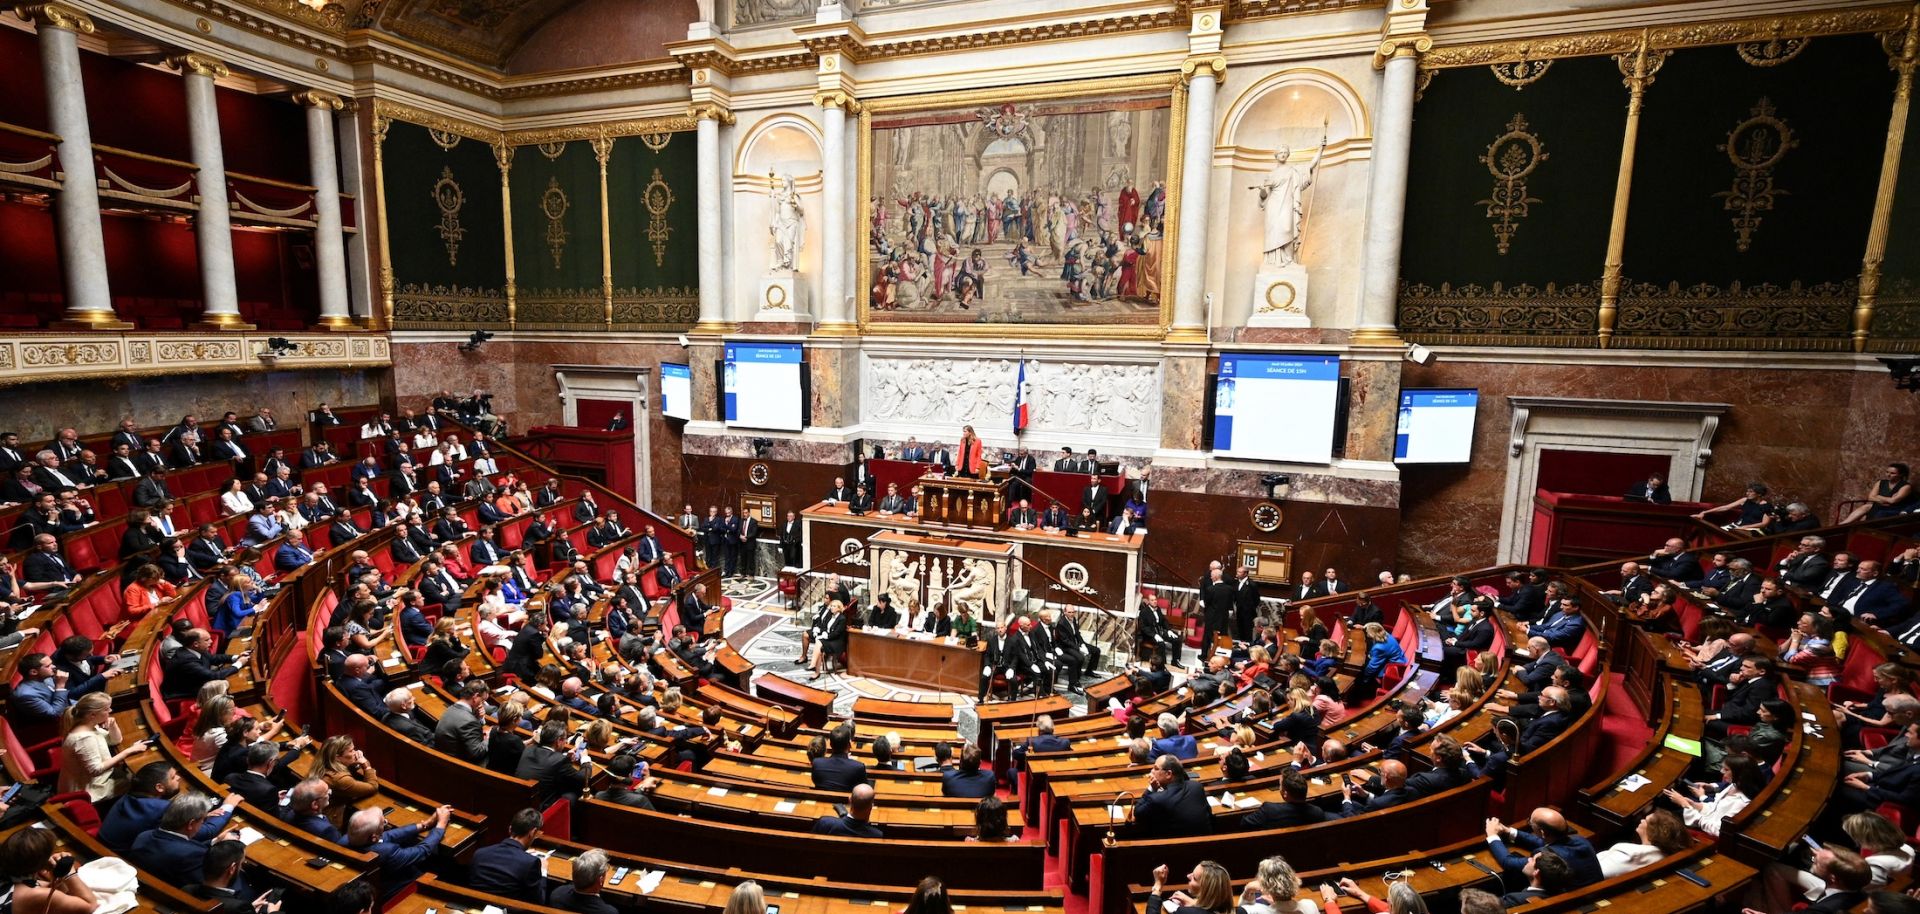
pixel 270 182
pixel 145 157
pixel 29 132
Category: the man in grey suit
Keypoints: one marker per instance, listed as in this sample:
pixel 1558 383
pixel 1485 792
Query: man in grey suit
pixel 460 732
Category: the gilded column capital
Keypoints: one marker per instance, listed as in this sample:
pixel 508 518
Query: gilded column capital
pixel 503 156
pixel 704 111
pixel 319 98
pixel 1192 66
pixel 200 64
pixel 1903 47
pixel 55 16
pixel 1409 45
pixel 602 150
pixel 836 98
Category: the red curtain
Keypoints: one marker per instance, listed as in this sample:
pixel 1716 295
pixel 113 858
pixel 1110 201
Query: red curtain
pixel 597 413
pixel 24 104
pixel 1597 472
pixel 263 136
pixel 31 294
pixel 135 107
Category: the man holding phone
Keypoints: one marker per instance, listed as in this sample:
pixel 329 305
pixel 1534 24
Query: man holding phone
pixel 224 886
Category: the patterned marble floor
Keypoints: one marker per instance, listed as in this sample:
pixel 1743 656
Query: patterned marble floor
pixel 762 629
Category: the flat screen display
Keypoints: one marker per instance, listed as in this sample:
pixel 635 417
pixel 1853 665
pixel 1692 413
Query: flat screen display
pixel 1276 406
pixel 1435 426
pixel 761 383
pixel 676 391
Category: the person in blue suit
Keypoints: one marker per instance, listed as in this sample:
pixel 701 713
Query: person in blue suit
pixel 140 810
pixel 967 780
pixel 838 771
pixel 1564 627
pixel 173 847
pixel 1547 829
pixel 507 869
pixel 403 852
pixel 1172 742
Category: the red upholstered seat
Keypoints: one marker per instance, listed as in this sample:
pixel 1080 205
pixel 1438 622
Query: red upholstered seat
pixel 78 807
pixel 557 820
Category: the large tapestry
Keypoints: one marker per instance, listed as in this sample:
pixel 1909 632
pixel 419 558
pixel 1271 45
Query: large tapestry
pixel 556 236
pixel 1038 209
pixel 654 223
pixel 445 228
pixel 1509 195
pixel 1753 191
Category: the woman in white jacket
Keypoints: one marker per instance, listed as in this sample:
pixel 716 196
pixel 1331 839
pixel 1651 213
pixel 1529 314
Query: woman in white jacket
pixel 1661 834
pixel 1704 809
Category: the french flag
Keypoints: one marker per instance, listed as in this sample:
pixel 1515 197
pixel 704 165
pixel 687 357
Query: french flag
pixel 1020 405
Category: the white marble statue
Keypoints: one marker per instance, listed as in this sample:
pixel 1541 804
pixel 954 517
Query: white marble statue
pixel 973 588
pixel 1282 196
pixel 787 229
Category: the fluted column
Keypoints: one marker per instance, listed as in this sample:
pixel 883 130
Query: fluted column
pixel 1637 69
pixel 212 226
pixel 1202 76
pixel 329 238
pixel 708 118
pixel 1905 50
pixel 76 208
pixel 1387 191
pixel 833 209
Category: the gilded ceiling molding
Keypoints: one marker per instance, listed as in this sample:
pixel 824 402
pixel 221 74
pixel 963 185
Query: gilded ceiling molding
pixel 319 98
pixel 399 111
pixel 667 76
pixel 1624 41
pixel 55 16
pixel 200 64
pixel 597 132
pixel 1121 24
pixel 1242 10
pixel 331 16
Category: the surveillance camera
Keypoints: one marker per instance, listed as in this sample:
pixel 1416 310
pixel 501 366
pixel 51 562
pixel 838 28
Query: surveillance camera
pixel 683 341
pixel 1419 355
pixel 1906 372
pixel 1276 479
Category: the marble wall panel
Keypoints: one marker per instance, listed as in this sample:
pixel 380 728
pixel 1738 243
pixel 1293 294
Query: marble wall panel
pixel 1183 380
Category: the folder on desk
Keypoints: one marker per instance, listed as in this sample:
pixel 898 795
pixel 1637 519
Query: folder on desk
pixel 1682 744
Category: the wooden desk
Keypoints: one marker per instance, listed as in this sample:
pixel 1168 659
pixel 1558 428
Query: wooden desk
pixel 934 664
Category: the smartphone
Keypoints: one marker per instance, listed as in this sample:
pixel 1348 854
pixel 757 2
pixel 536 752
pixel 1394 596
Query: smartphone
pixel 1694 878
pixel 280 714
pixel 319 863
pixel 11 793
pixel 773 909
pixel 1810 842
pixel 273 895
pixel 64 868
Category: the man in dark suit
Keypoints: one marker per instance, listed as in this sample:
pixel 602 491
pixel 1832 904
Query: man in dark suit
pixel 1155 636
pixel 1741 585
pixel 1393 790
pixel 1055 517
pixel 45 571
pixel 507 869
pixel 713 536
pixel 790 539
pixel 460 731
pixel 1293 808
pixel 1024 466
pixel 151 457
pixel 1749 687
pixel 1526 599
pixel 1216 600
pixel 1246 603
pixel 194 666
pixel 747 546
pixel 403 482
pixel 1877 600
pixel 174 847
pixel 1126 523
pixel 267 773
pixel 403 716
pixel 1673 562
pixel 1094 496
pixel 1547 829
pixel 403 548
pixel 121 465
pixel 1173 806
pixel 554 769
pixel 1309 587
pixel 1634 582
pixel 838 770
pixel 362 686
pixel 968 780
pixel 857 821
pixel 1653 489
pixel 139 811
pixel 1546 874
pixel 1806 566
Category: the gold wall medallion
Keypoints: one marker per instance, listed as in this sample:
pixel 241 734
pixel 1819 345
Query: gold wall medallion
pixel 1281 296
pixel 1755 146
pixel 554 204
pixel 1772 52
pixel 1520 73
pixel 448 196
pixel 659 198
pixel 1511 158
pixel 552 150
pixel 445 139
pixel 656 141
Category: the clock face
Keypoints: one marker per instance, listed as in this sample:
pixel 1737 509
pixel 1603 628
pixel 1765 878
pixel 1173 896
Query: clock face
pixel 1266 517
pixel 758 474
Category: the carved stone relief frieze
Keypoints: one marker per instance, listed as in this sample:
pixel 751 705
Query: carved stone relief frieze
pixel 1118 402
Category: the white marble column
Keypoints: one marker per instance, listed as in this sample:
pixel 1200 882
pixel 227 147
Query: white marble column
pixel 354 167
pixel 712 287
pixel 833 215
pixel 1196 170
pixel 329 238
pixel 856 248
pixel 212 226
pixel 1387 196
pixel 76 208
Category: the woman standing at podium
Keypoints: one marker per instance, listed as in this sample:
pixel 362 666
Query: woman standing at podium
pixel 972 457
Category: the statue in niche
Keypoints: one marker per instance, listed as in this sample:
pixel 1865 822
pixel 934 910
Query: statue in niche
pixel 1282 195
pixel 788 227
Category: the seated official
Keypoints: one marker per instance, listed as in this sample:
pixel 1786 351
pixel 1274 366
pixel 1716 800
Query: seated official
pixel 1546 829
pixel 1293 808
pixel 1174 805
pixel 1172 742
pixel 856 822
pixel 968 780
pixel 172 846
pixel 1546 873
pixel 628 783
pixel 838 770
pixel 139 810
pixel 403 716
pixel 508 869
pixel 223 882
pixel 403 852
pixel 582 894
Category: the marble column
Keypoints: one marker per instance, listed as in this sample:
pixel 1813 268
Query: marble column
pixel 1387 193
pixel 329 238
pixel 76 208
pixel 855 251
pixel 833 216
pixel 713 318
pixel 212 225
pixel 1203 75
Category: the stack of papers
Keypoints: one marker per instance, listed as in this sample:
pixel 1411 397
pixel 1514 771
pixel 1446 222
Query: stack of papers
pixel 650 880
pixel 1633 782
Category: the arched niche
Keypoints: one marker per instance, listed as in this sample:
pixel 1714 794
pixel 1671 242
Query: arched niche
pixel 1289 108
pixel 779 144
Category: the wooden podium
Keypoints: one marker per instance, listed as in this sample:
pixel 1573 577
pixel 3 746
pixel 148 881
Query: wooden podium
pixel 959 501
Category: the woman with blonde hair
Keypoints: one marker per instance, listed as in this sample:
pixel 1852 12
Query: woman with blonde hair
pixel 1469 680
pixel 1209 890
pixel 1275 889
pixel 210 730
pixel 1487 665
pixel 1881 843
pixel 671 701
pixel 1258 663
pixel 345 769
pixel 1243 738
pixel 87 759
pixel 746 899
pixel 1312 632
pixel 599 734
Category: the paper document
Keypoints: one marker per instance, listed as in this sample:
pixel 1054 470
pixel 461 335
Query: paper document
pixel 1633 782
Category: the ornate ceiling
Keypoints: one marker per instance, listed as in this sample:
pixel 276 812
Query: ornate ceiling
pixel 486 32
